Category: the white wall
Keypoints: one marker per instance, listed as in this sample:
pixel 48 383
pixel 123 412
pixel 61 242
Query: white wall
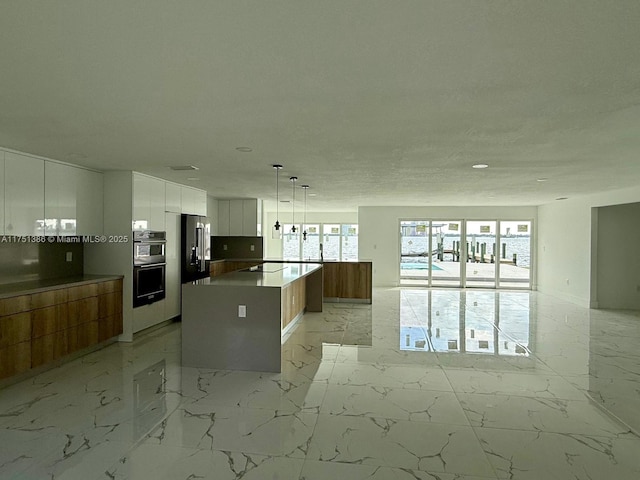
pixel 273 248
pixel 379 235
pixel 618 256
pixel 566 234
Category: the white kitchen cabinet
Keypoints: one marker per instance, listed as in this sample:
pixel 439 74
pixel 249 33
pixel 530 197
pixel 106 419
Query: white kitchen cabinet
pixel 173 292
pixel 194 201
pixel 239 217
pixel 89 202
pixel 24 195
pixel 148 203
pixel 251 217
pixel 223 218
pixel 172 197
pixel 60 183
pixel 200 202
pixel 1 192
pixel 235 217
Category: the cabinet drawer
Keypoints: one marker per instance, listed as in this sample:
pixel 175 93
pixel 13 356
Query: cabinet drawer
pixel 15 329
pixel 11 305
pixel 110 286
pixel 15 359
pixel 82 311
pixel 46 299
pixel 46 321
pixel 48 348
pixel 82 291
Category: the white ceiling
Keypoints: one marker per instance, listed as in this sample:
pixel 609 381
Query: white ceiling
pixel 370 102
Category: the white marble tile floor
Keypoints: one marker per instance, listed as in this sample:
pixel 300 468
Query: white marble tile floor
pixel 423 384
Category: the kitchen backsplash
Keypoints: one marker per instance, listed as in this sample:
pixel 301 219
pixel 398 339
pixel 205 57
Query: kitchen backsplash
pixel 24 261
pixel 236 247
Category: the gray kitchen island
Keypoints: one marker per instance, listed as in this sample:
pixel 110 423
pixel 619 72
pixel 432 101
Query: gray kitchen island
pixel 235 321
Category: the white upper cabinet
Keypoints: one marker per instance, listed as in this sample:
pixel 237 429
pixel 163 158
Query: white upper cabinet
pixel 89 202
pixel 173 197
pixel 1 192
pixel 60 183
pixel 235 217
pixel 24 195
pixel 239 217
pixel 148 203
pixel 194 201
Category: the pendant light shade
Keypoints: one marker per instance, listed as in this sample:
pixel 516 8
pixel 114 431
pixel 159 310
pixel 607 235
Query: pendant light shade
pixel 293 203
pixel 276 233
pixel 304 218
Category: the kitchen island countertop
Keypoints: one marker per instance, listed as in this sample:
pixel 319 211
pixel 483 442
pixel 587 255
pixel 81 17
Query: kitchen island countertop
pixel 269 274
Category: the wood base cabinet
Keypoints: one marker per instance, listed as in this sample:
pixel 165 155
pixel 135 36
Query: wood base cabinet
pixel 348 281
pixel 43 327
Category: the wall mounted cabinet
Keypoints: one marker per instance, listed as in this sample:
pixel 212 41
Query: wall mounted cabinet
pixel 172 197
pixel 239 217
pixel 60 212
pixel 194 201
pixel 148 203
pixel 23 195
pixel 89 202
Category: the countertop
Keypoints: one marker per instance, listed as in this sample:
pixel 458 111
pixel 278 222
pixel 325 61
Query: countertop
pixel 273 274
pixel 37 286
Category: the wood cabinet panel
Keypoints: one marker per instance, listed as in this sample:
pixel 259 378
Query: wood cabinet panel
pixel 15 329
pixel 11 305
pixel 82 291
pixel 46 299
pixel 293 300
pixel 43 327
pixel 48 348
pixel 48 320
pixel 15 359
pixel 348 280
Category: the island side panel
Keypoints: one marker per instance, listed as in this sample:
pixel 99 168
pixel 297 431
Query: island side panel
pixel 314 290
pixel 213 336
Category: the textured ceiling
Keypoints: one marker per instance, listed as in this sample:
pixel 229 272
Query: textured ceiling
pixel 369 102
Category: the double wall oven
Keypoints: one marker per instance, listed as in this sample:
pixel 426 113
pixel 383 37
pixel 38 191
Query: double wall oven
pixel 149 266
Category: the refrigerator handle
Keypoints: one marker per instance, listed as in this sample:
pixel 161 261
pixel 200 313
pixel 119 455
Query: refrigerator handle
pixel 199 246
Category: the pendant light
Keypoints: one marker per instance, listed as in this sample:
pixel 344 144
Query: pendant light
pixel 304 225
pixel 276 232
pixel 293 203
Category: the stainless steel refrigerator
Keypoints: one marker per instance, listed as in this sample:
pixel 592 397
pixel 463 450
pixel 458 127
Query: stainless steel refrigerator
pixel 195 242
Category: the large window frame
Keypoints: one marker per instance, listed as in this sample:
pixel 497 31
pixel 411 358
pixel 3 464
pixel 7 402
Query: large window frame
pixel 346 236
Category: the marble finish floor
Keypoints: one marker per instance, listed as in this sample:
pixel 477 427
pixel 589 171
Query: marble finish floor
pixel 423 384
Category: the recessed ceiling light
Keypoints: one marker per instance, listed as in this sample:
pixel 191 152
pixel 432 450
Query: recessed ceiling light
pixel 562 198
pixel 480 165
pixel 192 179
pixel 313 194
pixel 285 201
pixel 541 179
pixel 184 167
pixel 244 149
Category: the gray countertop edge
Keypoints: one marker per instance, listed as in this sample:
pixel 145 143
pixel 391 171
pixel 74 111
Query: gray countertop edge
pixel 30 287
pixel 243 279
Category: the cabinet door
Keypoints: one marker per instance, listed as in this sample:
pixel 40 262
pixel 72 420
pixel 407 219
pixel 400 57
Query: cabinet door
pixel 172 195
pixel 188 200
pixel 24 195
pixel 89 202
pixel 250 217
pixel 60 199
pixel 1 192
pixel 200 202
pixel 148 203
pixel 172 272
pixel 223 218
pixel 235 217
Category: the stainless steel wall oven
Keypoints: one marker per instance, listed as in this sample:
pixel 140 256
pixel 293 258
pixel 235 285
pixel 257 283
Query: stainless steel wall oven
pixel 149 267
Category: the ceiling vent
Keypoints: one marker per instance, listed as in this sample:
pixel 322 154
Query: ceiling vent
pixel 183 167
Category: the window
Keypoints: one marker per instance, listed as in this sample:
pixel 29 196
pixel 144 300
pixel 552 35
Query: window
pixel 339 242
